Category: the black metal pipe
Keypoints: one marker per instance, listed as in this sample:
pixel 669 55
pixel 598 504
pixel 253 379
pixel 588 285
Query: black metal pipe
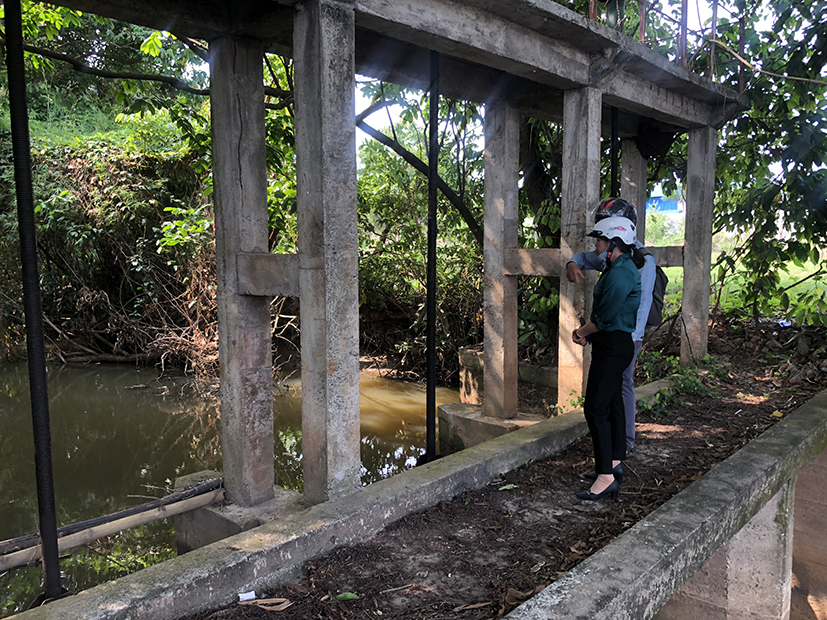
pixel 614 150
pixel 433 175
pixel 35 344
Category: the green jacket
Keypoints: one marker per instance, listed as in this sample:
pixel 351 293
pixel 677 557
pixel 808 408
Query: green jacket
pixel 617 297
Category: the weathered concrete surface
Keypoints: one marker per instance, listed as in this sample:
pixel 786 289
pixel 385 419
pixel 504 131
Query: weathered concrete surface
pixel 749 578
pixel 580 192
pixel 214 575
pixel 634 576
pixel 240 181
pixel 462 426
pixel 810 541
pixel 204 526
pixel 502 167
pixel 471 378
pixel 633 182
pixel 328 247
pixel 697 255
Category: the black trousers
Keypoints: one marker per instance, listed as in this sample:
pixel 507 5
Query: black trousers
pixel 612 353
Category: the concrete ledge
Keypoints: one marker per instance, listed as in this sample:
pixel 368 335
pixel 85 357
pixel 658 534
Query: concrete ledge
pixel 462 426
pixel 634 576
pixel 272 553
pixel 203 526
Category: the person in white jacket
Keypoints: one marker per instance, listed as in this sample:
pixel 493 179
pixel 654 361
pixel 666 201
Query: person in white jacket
pixel 618 207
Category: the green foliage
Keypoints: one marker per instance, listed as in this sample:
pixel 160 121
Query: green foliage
pixel 393 207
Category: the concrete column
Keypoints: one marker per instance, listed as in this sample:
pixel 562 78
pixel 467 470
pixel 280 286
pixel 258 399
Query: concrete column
pixel 323 44
pixel 633 182
pixel 809 595
pixel 580 195
pixel 502 146
pixel 697 258
pixel 749 578
pixel 240 190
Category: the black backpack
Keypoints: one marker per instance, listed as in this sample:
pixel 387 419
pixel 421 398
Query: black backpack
pixel 658 293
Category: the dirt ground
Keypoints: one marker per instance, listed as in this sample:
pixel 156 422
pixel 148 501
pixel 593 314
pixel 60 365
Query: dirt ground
pixel 479 555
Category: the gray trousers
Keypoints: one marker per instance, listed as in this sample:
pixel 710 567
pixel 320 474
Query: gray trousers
pixel 628 391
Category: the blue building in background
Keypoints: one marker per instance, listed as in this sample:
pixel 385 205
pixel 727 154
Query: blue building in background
pixel 660 204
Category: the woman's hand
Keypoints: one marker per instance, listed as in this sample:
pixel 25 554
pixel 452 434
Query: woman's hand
pixel 576 338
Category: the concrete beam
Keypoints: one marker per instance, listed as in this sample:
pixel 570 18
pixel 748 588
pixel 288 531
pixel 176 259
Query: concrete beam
pixel 502 147
pixel 533 262
pixel 462 31
pixel 697 252
pixel 668 255
pixel 268 275
pixel 239 173
pixel 580 193
pixel 637 93
pixel 633 182
pixel 328 247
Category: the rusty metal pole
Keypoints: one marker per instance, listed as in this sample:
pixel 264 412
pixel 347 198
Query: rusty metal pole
pixel 433 157
pixel 682 43
pixel 712 38
pixel 741 32
pixel 593 10
pixel 642 27
pixel 35 343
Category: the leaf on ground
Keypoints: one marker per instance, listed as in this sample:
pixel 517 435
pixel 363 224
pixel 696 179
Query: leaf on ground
pixel 270 604
pixel 347 596
pixel 506 487
pixel 778 414
pixel 297 588
pixel 693 478
pixel 474 606
pixel 515 597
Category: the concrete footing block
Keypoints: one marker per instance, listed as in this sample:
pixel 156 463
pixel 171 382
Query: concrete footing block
pixel 204 526
pixel 462 426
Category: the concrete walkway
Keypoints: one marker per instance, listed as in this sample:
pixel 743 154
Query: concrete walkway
pixel 665 549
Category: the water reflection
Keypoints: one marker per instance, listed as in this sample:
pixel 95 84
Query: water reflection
pixel 122 435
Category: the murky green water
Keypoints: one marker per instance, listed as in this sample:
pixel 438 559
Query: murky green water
pixel 120 436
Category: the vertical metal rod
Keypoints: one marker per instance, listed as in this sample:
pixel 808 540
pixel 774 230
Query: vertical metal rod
pixel 741 35
pixel 682 42
pixel 31 297
pixel 642 33
pixel 712 37
pixel 433 157
pixel 614 149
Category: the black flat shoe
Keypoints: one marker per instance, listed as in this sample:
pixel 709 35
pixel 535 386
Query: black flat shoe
pixel 617 472
pixel 612 490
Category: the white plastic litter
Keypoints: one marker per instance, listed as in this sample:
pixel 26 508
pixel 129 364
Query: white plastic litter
pixel 246 596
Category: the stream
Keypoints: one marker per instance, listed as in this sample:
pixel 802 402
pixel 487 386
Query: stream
pixel 120 437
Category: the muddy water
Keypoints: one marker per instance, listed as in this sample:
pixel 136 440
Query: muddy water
pixel 121 436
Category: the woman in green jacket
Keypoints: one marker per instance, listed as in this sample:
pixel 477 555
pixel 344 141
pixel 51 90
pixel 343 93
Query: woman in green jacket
pixel 613 319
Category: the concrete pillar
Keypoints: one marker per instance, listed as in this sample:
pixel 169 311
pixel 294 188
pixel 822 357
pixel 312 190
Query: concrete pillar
pixel 502 146
pixel 809 595
pixel 580 195
pixel 633 182
pixel 240 194
pixel 697 258
pixel 323 44
pixel 749 578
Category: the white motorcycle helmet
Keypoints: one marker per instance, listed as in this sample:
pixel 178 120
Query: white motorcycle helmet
pixel 619 228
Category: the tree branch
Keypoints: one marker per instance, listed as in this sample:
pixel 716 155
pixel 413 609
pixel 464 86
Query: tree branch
pixel 422 167
pixel 82 67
